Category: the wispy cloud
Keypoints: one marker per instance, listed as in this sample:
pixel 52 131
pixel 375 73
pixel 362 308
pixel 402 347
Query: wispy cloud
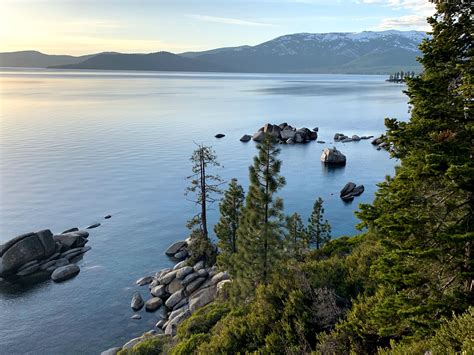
pixel 417 22
pixel 229 21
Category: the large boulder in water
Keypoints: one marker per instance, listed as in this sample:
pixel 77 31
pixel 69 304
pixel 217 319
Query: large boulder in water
pixel 25 248
pixel 272 130
pixel 347 189
pixel 259 136
pixel 175 247
pixel 137 301
pixel 333 157
pixel 288 133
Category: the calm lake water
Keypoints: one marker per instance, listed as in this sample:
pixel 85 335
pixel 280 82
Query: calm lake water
pixel 75 146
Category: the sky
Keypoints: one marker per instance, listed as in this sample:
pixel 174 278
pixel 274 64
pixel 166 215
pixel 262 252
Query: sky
pixel 143 26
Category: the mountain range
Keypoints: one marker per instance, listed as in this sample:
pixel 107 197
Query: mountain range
pixel 356 53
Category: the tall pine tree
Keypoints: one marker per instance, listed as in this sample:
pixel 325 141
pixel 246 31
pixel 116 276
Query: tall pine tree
pixel 260 237
pixel 226 228
pixel 296 238
pixel 319 229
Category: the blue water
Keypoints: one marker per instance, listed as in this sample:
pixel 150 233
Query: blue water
pixel 75 146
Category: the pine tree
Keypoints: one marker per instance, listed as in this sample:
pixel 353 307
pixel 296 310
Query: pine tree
pixel 319 230
pixel 296 238
pixel 259 237
pixel 203 186
pixel 226 229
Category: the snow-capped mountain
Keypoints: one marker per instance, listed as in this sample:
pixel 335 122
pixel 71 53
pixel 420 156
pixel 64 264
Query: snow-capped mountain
pixel 364 52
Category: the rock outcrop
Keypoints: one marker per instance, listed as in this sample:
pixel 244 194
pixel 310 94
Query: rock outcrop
pixel 285 134
pixel 350 190
pixel 333 157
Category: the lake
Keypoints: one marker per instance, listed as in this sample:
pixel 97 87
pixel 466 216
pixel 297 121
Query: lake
pixel 77 145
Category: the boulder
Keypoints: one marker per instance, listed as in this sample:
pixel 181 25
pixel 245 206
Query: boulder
pixel 107 216
pixel 160 324
pixel 356 138
pixel 245 138
pixel 64 273
pixel 177 311
pixel 174 299
pixel 136 317
pixel 161 273
pixel 47 264
pixel 190 278
pixel 346 140
pixel 203 273
pixel 321 142
pixel 287 133
pixel 183 272
pixel 202 298
pixel 75 229
pixel 221 288
pixel 348 197
pixel 92 226
pixel 28 270
pixel 358 190
pixel 316 129
pixel 180 255
pixel 71 239
pixel 290 141
pixel 199 265
pixel 27 265
pixel 193 286
pixel 333 157
pixel 111 351
pixel 158 291
pixel 258 136
pixel 174 286
pixel 131 343
pixel 144 280
pixel 283 125
pixel 52 257
pixel 180 265
pixel 219 277
pixel 137 302
pixel 219 135
pixel 272 130
pixel 25 248
pixel 347 189
pixel 172 325
pixel 86 249
pixel 71 251
pixel 312 135
pixel 153 304
pixel 61 262
pixel 175 247
pixel 180 304
pixel 300 138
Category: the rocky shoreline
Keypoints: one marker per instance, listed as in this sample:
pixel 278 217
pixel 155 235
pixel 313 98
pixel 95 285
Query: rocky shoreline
pixel 175 294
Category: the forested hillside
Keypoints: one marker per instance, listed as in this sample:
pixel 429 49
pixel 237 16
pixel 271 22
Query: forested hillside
pixel 402 286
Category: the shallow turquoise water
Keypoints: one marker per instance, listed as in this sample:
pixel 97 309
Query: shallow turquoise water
pixel 76 145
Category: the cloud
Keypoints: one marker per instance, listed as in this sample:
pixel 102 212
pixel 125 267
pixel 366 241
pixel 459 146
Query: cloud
pixel 229 21
pixel 408 22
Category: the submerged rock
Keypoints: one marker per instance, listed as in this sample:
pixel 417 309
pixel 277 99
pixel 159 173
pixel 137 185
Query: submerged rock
pixel 64 273
pixel 137 302
pixel 144 280
pixel 245 138
pixel 92 226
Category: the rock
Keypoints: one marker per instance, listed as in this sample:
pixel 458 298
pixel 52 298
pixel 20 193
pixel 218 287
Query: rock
pixel 86 249
pixel 27 265
pixel 290 141
pixel 107 216
pixel 180 304
pixel 358 190
pixel 356 138
pixel 136 316
pixel 131 343
pixel 190 278
pixel 272 130
pixel 175 247
pixel 47 264
pixel 221 291
pixel 199 265
pixel 71 239
pixel 161 313
pixel 144 280
pixel 333 157
pixel 160 324
pixel 162 272
pixel 312 136
pixel 158 291
pixel 183 272
pixel 177 311
pixel 202 298
pixel 92 226
pixel 111 351
pixel 28 270
pixel 174 286
pixel 245 138
pixel 347 189
pixel 180 255
pixel 346 140
pixel 320 142
pixel 316 129
pixel 64 273
pixel 193 286
pixel 61 262
pixel 75 229
pixel 165 279
pixel 25 248
pixel 137 302
pixel 219 277
pixel 339 136
pixel 258 136
pixel 153 304
pixel 283 125
pixel 174 299
pixel 287 133
pixel 172 325
pixel 71 251
pixel 180 265
pixel 348 197
pixel 219 135
pixel 52 257
pixel 383 145
pixel 203 273
pixel 299 138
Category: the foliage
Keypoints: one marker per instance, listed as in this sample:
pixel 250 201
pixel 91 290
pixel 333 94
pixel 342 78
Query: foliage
pixel 259 243
pixel 319 230
pixel 153 345
pixel 226 229
pixel 296 238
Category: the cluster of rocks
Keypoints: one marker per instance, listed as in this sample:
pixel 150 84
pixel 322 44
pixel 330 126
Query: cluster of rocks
pixel 284 134
pixel 43 252
pixel 175 294
pixel 332 156
pixel 341 137
pixel 380 143
pixel 350 190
